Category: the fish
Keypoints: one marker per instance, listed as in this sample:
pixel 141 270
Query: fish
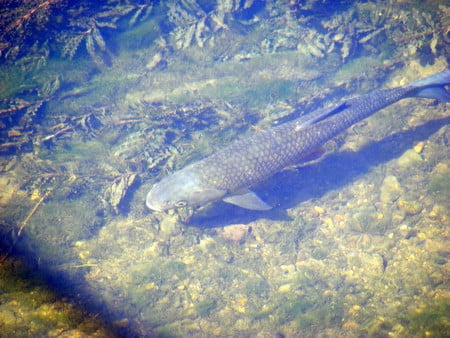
pixel 229 173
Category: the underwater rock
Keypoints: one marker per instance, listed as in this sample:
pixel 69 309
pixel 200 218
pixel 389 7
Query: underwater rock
pixel 285 288
pixel 8 188
pixel 419 147
pixel 319 210
pixel 439 184
pixel 169 226
pixel 438 212
pixel 409 207
pixel 409 158
pixel 235 233
pixel 390 189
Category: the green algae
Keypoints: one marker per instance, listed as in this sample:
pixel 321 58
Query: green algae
pixel 307 310
pixel 432 320
pixel 256 287
pixel 58 224
pixel 369 66
pixel 28 307
pixel 79 151
pixel 320 253
pixel 366 219
pixel 439 186
pixel 14 80
pixel 204 308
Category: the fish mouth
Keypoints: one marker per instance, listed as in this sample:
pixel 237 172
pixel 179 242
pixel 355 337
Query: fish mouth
pixel 153 207
pixel 153 204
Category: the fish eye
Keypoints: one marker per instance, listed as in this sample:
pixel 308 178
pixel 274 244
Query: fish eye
pixel 181 203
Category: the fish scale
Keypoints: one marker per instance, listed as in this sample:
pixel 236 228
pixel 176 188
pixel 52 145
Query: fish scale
pixel 228 173
pixel 250 160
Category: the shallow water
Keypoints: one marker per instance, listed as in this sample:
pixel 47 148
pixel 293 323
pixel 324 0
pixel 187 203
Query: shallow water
pixel 100 102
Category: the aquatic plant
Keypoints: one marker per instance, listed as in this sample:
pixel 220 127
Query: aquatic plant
pixel 366 219
pixel 439 185
pixel 196 23
pixel 204 308
pixel 84 27
pixel 20 23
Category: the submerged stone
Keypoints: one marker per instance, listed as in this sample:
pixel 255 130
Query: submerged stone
pixel 409 158
pixel 409 207
pixel 390 189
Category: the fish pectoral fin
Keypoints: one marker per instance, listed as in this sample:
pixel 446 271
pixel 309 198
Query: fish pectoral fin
pixel 247 199
pixel 208 194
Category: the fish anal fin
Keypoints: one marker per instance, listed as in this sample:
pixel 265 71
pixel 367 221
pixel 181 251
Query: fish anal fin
pixel 248 200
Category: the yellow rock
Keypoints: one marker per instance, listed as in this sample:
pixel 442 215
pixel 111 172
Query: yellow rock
pixel 284 288
pixel 241 300
pixel 150 286
pixel 189 260
pixel 79 244
pixel 409 158
pixel 436 211
pixel 85 254
pixel 35 195
pixel 419 147
pixel 410 207
pixel 421 235
pixel 319 210
pixel 240 303
pixel 356 307
pixel 329 222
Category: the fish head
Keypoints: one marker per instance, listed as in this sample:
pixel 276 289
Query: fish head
pixel 183 188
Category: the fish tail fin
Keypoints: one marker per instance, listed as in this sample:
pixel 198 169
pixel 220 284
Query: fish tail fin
pixel 433 87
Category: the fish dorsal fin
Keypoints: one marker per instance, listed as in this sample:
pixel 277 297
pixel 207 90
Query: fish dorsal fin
pixel 248 200
pixel 320 115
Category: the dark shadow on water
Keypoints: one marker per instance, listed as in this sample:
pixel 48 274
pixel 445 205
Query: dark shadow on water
pixel 64 283
pixel 290 188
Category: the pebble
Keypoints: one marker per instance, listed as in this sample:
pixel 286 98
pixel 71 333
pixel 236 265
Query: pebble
pixel 419 147
pixel 437 211
pixel 350 325
pixel 236 233
pixel 285 288
pixel 318 210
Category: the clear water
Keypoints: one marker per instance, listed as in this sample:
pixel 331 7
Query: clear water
pixel 100 101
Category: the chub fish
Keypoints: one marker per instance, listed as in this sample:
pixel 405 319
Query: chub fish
pixel 229 173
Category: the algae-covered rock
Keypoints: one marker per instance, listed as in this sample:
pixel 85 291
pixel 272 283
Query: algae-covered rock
pixel 390 189
pixel 409 158
pixel 409 207
pixel 169 226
